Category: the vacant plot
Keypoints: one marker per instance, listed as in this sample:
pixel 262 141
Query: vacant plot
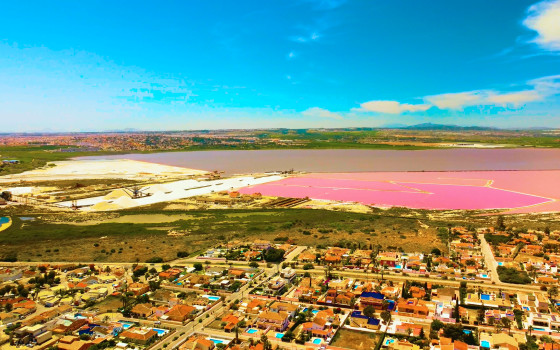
pixel 350 339
pixel 119 237
pixel 109 304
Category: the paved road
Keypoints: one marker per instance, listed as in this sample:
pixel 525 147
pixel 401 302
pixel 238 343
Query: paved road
pixel 400 278
pixel 489 259
pixel 199 323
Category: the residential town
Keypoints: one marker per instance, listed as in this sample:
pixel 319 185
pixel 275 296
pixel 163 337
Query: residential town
pixel 492 289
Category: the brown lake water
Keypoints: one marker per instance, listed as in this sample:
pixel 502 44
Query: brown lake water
pixel 354 160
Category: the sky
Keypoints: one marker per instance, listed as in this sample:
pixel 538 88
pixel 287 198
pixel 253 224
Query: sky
pixel 180 65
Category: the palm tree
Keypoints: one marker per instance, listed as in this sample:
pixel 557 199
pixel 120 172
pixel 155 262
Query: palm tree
pixel 530 329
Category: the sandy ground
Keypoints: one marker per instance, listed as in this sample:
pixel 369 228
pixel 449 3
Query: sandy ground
pixel 141 219
pixel 101 169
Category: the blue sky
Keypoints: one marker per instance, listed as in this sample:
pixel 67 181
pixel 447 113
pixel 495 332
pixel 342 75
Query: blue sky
pixel 102 65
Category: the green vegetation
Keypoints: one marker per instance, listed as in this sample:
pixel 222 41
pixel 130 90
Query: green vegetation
pixel 143 240
pixel 512 275
pixel 274 255
pixel 496 239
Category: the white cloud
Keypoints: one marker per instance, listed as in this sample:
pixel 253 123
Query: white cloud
pixel 515 99
pixel 321 113
pixel 458 100
pixel 392 107
pixel 291 55
pixel 540 89
pixel 544 18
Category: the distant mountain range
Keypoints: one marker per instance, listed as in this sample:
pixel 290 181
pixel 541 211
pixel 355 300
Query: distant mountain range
pixel 432 126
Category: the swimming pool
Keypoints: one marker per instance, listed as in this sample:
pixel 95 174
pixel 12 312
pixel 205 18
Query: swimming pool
pixel 314 312
pixel 252 330
pixel 539 329
pixel 216 341
pixel 500 263
pixel 317 341
pixel 279 335
pixel 126 325
pixel 389 341
pixel 485 296
pixel 4 220
pixel 485 344
pixel 467 331
pixel 211 297
pixel 160 332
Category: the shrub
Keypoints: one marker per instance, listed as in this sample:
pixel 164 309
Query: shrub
pixel 308 266
pixel 512 275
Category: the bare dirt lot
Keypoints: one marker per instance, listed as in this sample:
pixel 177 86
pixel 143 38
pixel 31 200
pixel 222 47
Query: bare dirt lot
pixel 350 339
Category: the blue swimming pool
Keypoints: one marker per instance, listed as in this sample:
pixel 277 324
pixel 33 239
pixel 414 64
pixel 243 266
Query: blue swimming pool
pixel 317 341
pixel 539 329
pixel 389 341
pixel 252 331
pixel 4 220
pixel 216 341
pixel 126 325
pixel 485 344
pixel 279 335
pixel 160 332
pixel 211 297
pixel 467 331
pixel 485 296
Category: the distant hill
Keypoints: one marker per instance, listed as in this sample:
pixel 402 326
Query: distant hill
pixel 394 126
pixel 431 126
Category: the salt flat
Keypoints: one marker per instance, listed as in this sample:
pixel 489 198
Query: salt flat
pixel 168 192
pixel 101 169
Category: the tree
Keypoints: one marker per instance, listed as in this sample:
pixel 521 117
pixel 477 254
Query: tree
pixel 453 331
pixel 254 264
pixel 436 252
pixel 182 254
pixel 369 311
pixel 506 322
pixel 197 266
pixel 265 342
pixel 274 255
pixel 436 325
pixel 154 285
pixel 386 317
pixel 308 267
pixel 500 223
pixel 552 292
